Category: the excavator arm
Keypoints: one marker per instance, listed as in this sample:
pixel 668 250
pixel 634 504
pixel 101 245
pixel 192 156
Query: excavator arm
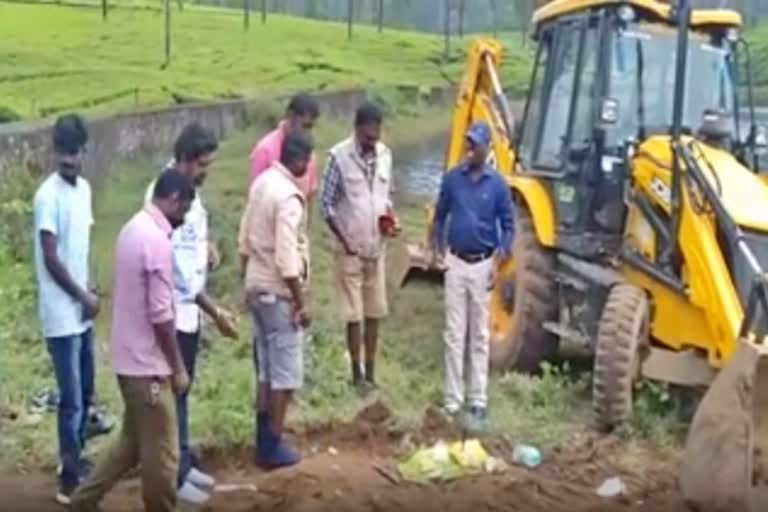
pixel 480 98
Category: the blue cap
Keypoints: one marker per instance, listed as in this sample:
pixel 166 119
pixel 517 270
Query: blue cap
pixel 479 133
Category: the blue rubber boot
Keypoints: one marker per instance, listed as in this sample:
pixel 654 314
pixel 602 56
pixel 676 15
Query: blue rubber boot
pixel 262 424
pixel 275 453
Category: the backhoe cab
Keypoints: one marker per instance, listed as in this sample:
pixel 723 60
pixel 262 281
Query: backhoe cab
pixel 641 222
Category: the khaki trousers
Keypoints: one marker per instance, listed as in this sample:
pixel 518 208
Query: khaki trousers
pixel 467 334
pixel 148 439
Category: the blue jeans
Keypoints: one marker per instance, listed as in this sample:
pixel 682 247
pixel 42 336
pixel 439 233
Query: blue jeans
pixel 74 367
pixel 189 344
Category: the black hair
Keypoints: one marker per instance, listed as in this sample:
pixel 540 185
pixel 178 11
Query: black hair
pixel 69 134
pixel 171 182
pixel 193 142
pixel 296 145
pixel 303 104
pixel 367 114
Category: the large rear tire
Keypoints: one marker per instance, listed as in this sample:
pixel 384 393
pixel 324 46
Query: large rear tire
pixel 622 334
pixel 524 296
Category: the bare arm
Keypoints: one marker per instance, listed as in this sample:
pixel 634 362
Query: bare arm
pixel 57 269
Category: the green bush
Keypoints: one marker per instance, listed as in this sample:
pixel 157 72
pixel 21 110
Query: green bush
pixel 8 115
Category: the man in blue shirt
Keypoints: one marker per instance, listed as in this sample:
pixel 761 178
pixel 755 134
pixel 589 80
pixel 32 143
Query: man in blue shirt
pixel 473 221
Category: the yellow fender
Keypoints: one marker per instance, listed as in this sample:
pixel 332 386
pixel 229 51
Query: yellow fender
pixel 536 198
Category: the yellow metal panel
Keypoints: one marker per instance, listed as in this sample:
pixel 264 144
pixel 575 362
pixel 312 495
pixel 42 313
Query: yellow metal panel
pixel 536 197
pixel 474 103
pixel 743 193
pixel 705 271
pixel 699 17
pixel 675 322
pixel 639 234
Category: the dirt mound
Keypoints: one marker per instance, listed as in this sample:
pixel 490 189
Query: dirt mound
pixel 376 414
pixel 354 478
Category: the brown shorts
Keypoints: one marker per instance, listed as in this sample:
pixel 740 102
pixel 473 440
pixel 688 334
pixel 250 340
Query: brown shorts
pixel 361 288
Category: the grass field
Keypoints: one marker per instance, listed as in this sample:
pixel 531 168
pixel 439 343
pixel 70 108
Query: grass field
pixel 543 411
pixel 55 58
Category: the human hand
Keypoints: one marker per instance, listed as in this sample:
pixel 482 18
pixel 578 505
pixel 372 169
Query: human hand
pixel 214 257
pixel 225 324
pixel 90 303
pixel 180 381
pixel 302 317
pixel 396 229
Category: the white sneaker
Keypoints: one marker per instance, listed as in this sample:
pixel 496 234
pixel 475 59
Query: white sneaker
pixel 191 494
pixel 200 479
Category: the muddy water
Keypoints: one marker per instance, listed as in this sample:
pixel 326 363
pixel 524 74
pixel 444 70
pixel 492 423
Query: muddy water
pixel 418 169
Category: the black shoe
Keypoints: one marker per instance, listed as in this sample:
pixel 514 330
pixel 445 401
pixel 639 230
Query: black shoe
pixel 99 424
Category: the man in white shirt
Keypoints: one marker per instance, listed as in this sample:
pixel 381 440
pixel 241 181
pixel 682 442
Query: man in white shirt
pixel 194 152
pixel 62 226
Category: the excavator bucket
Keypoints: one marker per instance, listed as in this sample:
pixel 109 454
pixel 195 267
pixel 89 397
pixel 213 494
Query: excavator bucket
pixel 410 261
pixel 725 468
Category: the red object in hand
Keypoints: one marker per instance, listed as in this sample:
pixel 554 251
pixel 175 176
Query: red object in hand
pixel 387 224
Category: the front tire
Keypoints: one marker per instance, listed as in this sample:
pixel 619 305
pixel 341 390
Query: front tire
pixel 622 333
pixel 524 297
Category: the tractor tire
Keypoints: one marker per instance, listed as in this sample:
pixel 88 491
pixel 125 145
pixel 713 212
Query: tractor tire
pixel 621 336
pixel 526 344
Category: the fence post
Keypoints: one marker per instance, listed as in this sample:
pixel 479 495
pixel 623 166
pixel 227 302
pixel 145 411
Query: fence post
pixel 167 33
pixel 350 14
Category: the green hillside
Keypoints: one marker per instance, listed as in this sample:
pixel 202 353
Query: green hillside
pixel 55 58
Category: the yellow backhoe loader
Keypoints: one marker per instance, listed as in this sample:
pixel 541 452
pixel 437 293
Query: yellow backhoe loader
pixel 641 221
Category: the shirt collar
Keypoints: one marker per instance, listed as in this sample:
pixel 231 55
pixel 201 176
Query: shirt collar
pixel 288 174
pixel 486 170
pixel 359 150
pixel 159 218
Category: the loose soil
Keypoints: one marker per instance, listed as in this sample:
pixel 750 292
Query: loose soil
pixel 351 468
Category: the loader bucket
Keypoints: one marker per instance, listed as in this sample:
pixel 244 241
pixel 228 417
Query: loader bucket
pixel 725 467
pixel 409 261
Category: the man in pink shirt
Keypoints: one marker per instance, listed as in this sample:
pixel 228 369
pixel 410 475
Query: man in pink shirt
pixel 301 114
pixel 145 353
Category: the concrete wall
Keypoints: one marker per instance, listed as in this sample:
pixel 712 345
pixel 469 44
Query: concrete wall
pixel 27 144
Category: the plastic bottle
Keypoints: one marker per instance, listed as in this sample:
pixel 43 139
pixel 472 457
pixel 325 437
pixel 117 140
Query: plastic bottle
pixel 526 455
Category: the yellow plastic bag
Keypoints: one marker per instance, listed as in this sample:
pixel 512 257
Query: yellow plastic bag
pixel 443 463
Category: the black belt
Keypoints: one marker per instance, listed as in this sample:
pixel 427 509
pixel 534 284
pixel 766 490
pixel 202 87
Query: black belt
pixel 476 257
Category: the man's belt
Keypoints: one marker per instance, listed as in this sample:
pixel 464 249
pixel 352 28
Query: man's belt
pixel 471 257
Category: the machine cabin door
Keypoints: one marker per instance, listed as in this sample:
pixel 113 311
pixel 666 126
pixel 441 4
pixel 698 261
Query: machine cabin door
pixel 559 143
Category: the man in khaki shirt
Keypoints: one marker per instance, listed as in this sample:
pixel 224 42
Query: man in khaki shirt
pixel 273 252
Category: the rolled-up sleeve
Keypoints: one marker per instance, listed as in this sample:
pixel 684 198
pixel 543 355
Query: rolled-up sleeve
pixel 287 226
pixel 158 272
